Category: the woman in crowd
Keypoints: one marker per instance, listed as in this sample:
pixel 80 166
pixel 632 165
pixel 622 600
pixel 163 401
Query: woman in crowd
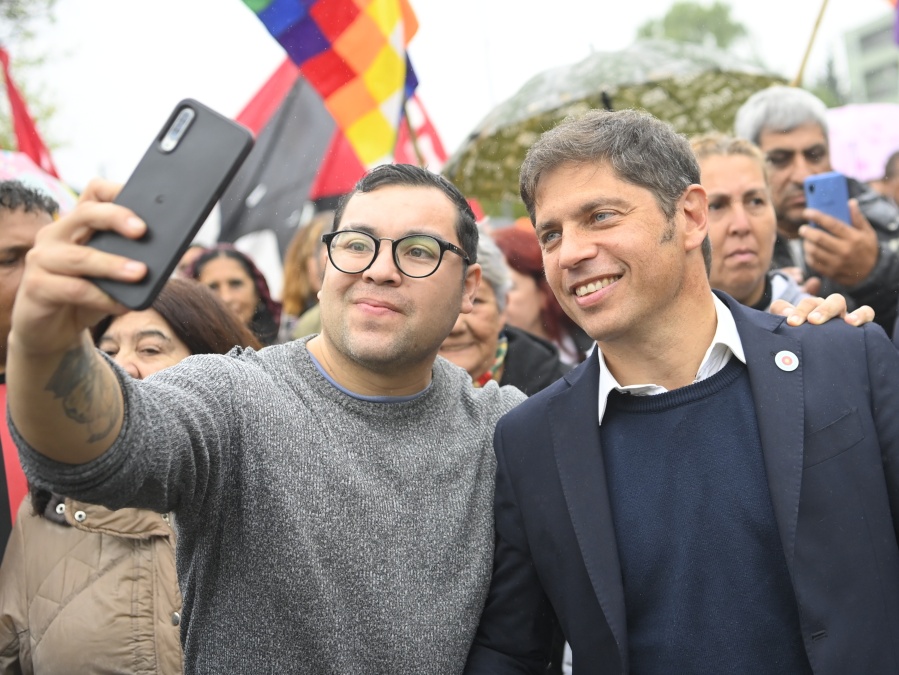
pixel 237 281
pixel 304 266
pixel 87 590
pixel 532 305
pixel 488 348
pixel 742 222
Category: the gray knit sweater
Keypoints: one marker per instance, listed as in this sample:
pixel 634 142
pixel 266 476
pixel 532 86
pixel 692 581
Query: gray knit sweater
pixel 317 533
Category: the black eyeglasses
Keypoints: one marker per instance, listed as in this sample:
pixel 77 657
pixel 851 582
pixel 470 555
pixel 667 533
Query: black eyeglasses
pixel 415 255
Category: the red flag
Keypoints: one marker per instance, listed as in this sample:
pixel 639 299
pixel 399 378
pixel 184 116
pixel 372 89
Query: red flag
pixel 427 147
pixel 339 170
pixel 16 484
pixel 27 137
pixel 265 102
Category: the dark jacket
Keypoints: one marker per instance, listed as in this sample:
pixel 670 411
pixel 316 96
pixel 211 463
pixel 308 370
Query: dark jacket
pixel 532 364
pixel 830 437
pixel 881 289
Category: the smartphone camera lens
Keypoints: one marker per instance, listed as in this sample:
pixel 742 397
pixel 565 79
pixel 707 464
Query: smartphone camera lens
pixel 176 131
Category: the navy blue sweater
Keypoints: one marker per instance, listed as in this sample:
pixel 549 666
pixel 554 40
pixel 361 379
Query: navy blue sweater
pixel 706 584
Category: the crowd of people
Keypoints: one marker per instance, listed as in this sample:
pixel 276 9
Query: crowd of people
pixel 628 436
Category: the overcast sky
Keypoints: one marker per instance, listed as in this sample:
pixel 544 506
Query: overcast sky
pixel 115 68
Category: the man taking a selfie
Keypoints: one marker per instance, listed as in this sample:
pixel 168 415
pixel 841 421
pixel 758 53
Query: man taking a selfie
pixel 333 495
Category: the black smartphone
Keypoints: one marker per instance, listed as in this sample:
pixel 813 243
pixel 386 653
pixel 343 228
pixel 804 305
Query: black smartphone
pixel 828 193
pixel 173 190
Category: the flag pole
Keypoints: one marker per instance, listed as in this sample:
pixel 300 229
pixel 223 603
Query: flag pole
pixel 797 81
pixel 413 137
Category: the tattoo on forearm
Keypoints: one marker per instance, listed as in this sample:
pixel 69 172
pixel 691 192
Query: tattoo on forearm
pixel 87 396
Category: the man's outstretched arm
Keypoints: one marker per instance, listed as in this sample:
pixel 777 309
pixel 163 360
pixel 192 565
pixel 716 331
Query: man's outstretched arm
pixel 64 399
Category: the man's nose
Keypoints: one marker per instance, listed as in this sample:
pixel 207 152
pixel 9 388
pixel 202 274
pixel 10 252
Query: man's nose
pixel 574 248
pixel 800 169
pixel 383 268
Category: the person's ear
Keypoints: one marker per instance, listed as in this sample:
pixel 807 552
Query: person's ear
pixel 470 287
pixel 694 207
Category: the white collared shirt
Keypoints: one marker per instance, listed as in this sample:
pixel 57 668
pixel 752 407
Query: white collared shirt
pixel 726 342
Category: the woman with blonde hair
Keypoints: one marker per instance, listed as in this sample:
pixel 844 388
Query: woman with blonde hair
pixel 304 266
pixel 742 222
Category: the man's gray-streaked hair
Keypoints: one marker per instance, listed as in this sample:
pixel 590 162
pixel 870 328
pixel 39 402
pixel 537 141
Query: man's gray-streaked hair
pixel 494 270
pixel 641 149
pixel 781 109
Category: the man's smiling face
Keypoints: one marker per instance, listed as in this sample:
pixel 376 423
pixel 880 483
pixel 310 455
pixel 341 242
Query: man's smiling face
pixel 380 318
pixel 613 259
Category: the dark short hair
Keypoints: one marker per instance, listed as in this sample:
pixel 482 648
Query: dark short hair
pixel 640 149
pixel 15 195
pixel 197 317
pixel 415 176
pixel 267 314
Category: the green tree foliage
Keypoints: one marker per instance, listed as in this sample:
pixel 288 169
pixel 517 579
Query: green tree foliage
pixel 827 85
pixel 696 23
pixel 18 19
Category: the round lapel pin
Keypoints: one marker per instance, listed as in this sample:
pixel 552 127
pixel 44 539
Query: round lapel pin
pixel 786 361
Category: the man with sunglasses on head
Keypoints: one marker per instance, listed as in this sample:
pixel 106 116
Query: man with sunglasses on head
pixel 333 495
pixel 857 259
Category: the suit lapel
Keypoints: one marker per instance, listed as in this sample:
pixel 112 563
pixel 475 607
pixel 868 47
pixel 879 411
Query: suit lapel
pixel 575 433
pixel 779 400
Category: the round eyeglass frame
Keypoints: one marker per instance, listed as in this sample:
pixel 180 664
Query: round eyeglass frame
pixel 444 247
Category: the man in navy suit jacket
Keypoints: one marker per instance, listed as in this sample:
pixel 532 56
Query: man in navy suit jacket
pixel 711 491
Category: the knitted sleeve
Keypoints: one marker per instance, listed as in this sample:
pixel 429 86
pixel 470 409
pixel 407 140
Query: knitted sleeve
pixel 173 447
